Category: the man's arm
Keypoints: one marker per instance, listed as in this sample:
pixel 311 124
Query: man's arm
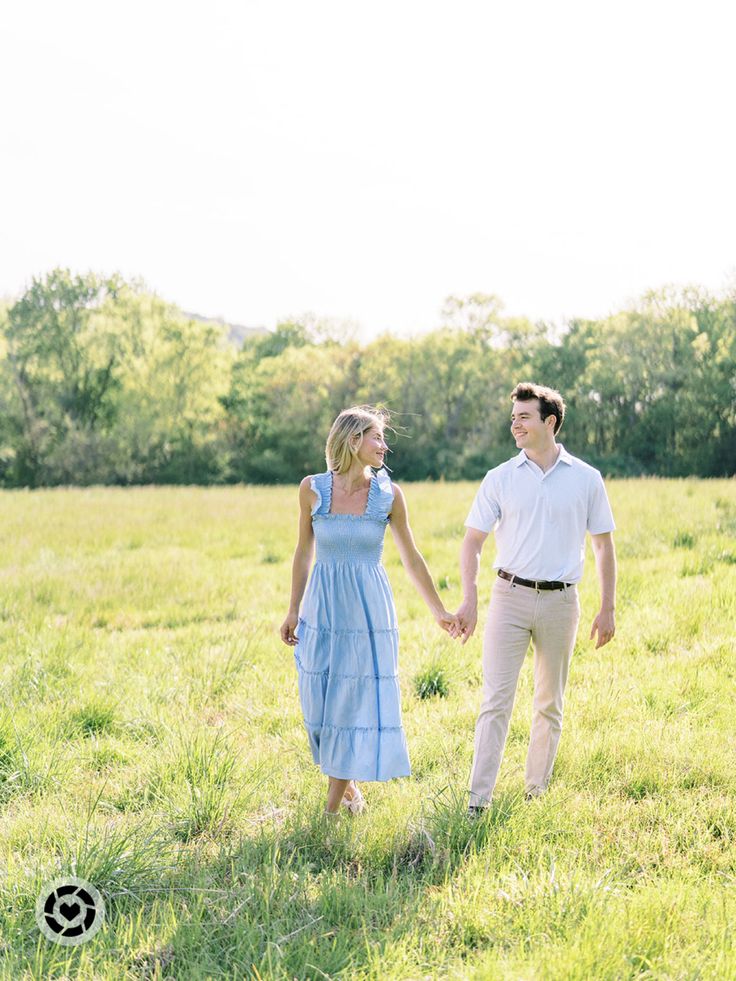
pixel 605 562
pixel 470 550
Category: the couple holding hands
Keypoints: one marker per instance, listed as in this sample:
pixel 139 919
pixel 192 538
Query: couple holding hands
pixel 342 620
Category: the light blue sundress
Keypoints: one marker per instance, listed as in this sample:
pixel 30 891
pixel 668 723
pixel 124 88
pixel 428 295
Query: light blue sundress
pixel 348 642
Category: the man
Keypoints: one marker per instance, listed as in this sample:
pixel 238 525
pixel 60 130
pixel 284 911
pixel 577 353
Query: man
pixel 540 505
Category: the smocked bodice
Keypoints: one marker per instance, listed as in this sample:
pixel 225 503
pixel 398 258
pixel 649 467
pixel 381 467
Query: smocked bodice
pixel 351 537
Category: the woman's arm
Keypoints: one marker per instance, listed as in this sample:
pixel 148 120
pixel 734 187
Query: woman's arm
pixel 414 563
pixel 302 562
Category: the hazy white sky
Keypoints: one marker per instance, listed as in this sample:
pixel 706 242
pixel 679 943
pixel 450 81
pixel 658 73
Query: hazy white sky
pixel 265 158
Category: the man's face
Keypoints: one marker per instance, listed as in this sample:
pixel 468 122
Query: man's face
pixel 527 427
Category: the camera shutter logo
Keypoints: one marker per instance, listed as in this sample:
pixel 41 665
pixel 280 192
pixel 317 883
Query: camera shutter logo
pixel 69 911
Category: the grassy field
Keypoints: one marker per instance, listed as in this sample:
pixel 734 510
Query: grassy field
pixel 151 742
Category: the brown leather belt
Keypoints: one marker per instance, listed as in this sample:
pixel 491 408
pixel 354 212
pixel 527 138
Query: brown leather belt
pixel 532 583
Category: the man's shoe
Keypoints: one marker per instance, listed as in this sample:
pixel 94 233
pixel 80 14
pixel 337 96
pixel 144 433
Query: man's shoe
pixel 476 811
pixel 533 794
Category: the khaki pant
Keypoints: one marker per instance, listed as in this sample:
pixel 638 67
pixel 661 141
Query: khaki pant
pixel 518 614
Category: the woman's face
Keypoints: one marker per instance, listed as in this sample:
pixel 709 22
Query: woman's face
pixel 373 448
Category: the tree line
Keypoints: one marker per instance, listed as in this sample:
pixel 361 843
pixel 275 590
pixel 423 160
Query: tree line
pixel 102 381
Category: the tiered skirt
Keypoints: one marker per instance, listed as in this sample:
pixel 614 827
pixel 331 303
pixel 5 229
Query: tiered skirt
pixel 347 663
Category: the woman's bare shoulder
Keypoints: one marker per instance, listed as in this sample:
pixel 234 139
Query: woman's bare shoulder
pixel 309 492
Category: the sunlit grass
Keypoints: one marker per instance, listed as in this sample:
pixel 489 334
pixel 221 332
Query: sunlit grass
pixel 151 741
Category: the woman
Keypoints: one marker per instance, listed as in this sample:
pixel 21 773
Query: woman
pixel 346 639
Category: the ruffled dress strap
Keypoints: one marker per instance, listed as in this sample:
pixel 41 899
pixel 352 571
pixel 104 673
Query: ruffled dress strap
pixel 381 496
pixel 321 484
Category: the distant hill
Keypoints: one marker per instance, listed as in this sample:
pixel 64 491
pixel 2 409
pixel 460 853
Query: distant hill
pixel 237 333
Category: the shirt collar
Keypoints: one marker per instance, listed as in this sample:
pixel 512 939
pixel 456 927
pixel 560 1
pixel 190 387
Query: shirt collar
pixel 563 457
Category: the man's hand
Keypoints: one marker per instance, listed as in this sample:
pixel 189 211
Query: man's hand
pixel 467 618
pixel 605 626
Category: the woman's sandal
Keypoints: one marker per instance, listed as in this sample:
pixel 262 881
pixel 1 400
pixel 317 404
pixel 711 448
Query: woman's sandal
pixel 356 804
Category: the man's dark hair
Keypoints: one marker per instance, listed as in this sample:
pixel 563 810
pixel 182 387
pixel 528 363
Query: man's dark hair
pixel 551 403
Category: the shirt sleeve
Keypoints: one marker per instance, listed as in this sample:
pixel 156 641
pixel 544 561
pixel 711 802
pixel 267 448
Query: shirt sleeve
pixel 600 516
pixel 486 510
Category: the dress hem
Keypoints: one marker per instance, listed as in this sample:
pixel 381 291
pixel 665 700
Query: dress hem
pixel 363 779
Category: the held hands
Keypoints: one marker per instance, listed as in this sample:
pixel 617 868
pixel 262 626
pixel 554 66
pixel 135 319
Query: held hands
pixel 460 625
pixel 288 628
pixel 447 622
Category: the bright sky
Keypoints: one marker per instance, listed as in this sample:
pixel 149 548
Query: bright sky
pixel 259 159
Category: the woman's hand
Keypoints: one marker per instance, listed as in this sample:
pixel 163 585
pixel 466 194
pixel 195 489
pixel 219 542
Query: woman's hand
pixel 288 628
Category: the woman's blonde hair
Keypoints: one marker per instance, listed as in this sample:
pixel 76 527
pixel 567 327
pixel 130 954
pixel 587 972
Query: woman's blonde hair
pixel 341 447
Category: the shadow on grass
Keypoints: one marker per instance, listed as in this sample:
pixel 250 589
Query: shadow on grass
pixel 302 897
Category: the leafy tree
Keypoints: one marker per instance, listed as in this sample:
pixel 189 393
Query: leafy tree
pixel 105 383
pixel 280 408
pixel 174 373
pixel 61 354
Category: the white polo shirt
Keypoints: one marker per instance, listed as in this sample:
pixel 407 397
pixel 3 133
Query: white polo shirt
pixel 540 518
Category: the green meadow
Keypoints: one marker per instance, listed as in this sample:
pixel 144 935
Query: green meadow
pixel 151 743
